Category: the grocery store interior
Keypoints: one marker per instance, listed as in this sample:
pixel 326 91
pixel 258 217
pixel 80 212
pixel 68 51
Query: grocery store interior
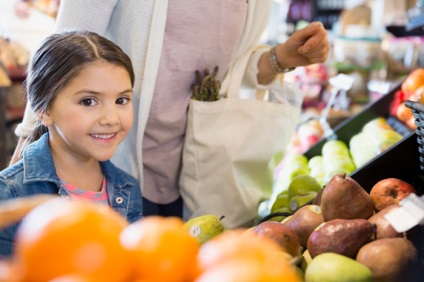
pixel 369 43
pixel 361 113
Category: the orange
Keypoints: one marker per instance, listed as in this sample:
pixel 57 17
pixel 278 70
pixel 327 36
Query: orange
pixel 247 269
pixel 236 243
pixel 62 236
pixel 238 256
pixel 162 248
pixel 73 278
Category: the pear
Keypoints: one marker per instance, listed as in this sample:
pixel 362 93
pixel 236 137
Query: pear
pixel 305 260
pixel 303 184
pixel 341 236
pixel 331 267
pixel 390 259
pixel 317 199
pixel 384 228
pixel 304 221
pixel 205 227
pixel 281 203
pixel 298 201
pixel 345 198
pixel 281 234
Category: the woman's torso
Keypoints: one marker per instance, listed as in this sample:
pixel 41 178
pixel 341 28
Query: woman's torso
pixel 199 34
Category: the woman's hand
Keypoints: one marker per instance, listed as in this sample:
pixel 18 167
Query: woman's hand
pixel 306 46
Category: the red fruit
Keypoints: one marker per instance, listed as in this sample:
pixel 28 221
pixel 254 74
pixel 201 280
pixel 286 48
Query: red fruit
pixel 413 81
pixel 403 113
pixel 390 191
pixel 279 233
pixel 397 100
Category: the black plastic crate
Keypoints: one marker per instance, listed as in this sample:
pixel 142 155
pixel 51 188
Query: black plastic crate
pixel 418 111
pixel 401 161
pixel 353 125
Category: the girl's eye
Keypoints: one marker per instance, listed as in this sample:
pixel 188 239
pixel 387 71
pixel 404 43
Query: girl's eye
pixel 88 102
pixel 122 101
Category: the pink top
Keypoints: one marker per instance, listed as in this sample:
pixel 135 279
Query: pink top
pixel 78 193
pixel 199 34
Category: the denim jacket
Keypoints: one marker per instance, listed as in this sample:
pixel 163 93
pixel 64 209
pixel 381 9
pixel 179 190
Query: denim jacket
pixel 35 174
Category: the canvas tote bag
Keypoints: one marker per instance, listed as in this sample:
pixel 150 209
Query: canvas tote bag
pixel 228 146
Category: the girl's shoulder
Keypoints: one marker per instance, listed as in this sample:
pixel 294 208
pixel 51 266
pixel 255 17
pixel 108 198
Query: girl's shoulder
pixel 12 171
pixel 10 179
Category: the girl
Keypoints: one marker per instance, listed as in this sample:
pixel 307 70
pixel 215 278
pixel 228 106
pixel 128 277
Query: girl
pixel 80 86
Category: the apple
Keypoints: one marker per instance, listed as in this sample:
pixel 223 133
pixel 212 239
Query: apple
pixel 390 191
pixel 309 133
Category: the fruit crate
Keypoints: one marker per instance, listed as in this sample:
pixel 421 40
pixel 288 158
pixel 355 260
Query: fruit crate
pixel 353 125
pixel 401 161
pixel 417 109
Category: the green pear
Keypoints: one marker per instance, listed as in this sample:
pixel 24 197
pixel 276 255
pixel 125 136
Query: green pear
pixel 205 227
pixel 301 200
pixel 303 184
pixel 331 267
pixel 305 260
pixel 282 201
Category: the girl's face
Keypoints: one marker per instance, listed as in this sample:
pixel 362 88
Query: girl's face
pixel 92 114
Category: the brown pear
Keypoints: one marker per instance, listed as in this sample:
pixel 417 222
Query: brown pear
pixel 341 236
pixel 279 233
pixel 304 221
pixel 390 259
pixel 345 198
pixel 383 228
pixel 317 199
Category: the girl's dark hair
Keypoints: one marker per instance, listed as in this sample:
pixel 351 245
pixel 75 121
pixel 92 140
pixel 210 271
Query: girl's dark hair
pixel 58 60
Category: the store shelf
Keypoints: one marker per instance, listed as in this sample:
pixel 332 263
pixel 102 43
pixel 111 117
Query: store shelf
pixel 29 31
pixel 353 125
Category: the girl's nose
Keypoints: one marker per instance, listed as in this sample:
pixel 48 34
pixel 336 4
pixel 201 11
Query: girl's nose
pixel 109 116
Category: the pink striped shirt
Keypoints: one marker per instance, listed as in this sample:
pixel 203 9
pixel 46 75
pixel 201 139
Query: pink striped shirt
pixel 81 194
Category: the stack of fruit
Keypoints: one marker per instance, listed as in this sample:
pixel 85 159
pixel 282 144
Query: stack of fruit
pixel 302 189
pixel 85 242
pixel 345 235
pixel 336 156
pixel 375 137
pixel 412 88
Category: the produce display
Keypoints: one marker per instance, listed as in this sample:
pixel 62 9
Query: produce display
pixel 68 240
pixel 376 137
pixel 344 235
pixel 412 88
pixel 328 227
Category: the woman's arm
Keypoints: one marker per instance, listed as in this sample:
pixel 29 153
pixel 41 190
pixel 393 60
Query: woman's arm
pixel 92 15
pixel 306 46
